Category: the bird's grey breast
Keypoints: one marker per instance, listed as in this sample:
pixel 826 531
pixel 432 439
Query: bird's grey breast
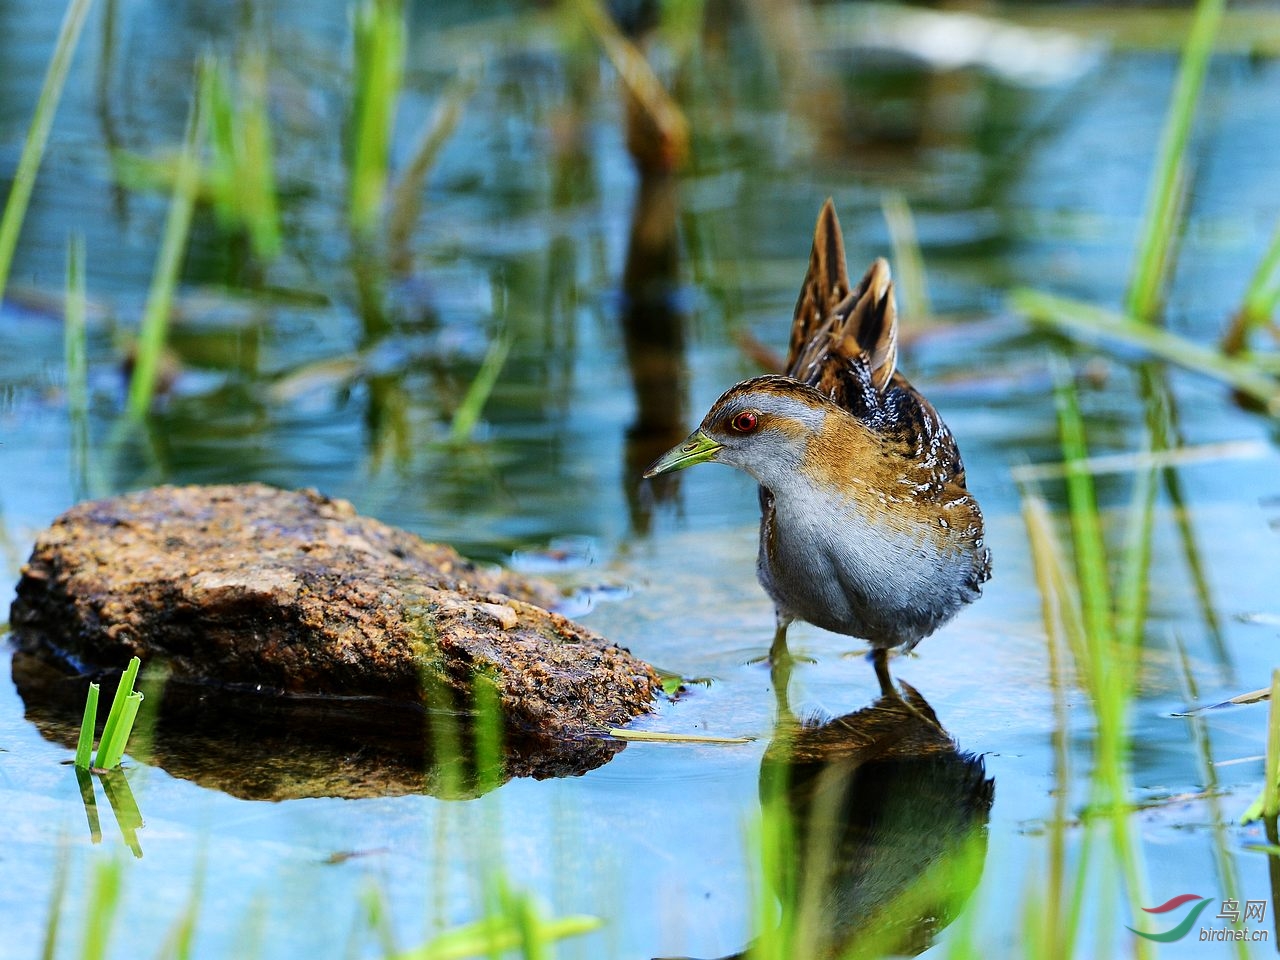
pixel 835 564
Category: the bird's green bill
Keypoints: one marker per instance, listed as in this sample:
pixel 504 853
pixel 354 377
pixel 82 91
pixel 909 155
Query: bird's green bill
pixel 699 448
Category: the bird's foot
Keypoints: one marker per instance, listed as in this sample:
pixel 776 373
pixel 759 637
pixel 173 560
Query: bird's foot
pixel 780 656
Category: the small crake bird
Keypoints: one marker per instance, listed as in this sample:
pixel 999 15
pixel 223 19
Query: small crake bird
pixel 866 527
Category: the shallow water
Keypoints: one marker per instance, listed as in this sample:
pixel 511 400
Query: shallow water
pixel 525 232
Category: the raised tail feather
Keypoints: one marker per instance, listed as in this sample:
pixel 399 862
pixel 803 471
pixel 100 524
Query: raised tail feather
pixel 826 286
pixel 834 323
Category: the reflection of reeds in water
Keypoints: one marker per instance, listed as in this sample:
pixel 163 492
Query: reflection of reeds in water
pixel 24 178
pixel 652 318
pixel 75 350
pixel 653 327
pixel 1104 641
pixel 153 331
pixel 1162 226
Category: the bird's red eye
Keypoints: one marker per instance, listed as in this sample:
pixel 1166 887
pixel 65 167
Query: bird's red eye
pixel 745 422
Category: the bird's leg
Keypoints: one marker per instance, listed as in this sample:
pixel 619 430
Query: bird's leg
pixel 880 657
pixel 778 652
pixel 780 678
pixel 778 649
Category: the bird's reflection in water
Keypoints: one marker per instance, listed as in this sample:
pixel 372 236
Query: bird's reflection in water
pixel 874 830
pixel 887 820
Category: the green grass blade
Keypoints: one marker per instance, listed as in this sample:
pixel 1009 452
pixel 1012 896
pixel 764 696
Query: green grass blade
pixel 220 123
pixel 104 899
pixel 1263 295
pixel 406 197
pixel 111 752
pixel 57 894
pixel 24 179
pixel 1061 604
pixel 379 70
pixel 1159 225
pixel 1086 528
pixel 115 717
pixel 476 939
pixel 84 747
pixel 75 352
pixel 1267 804
pixel 468 413
pixel 1135 566
pixel 1046 565
pixel 1260 300
pixel 1271 787
pixel 908 261
pixel 1093 324
pixel 1110 678
pixel 164 280
pixel 240 177
pixel 257 158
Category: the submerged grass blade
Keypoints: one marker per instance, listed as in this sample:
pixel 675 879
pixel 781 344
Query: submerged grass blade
pixel 1160 221
pixel 155 317
pixel 88 725
pixel 24 179
pixel 1092 324
pixel 468 413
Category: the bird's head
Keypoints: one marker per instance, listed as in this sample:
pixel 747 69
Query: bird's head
pixel 763 426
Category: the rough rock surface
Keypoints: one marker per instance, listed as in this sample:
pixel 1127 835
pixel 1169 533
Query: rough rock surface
pixel 252 587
